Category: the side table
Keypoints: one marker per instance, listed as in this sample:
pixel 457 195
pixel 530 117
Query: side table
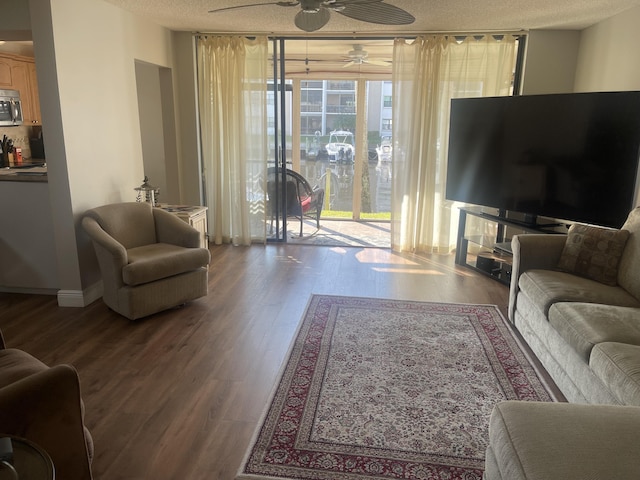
pixel 194 215
pixel 22 459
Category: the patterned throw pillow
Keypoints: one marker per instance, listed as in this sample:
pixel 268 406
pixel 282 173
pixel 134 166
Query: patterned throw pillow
pixel 593 252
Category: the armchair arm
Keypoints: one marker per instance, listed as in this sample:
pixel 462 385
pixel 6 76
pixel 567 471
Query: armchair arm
pixel 46 408
pixel 531 251
pixel 171 229
pixel 106 241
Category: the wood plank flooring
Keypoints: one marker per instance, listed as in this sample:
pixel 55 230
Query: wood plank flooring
pixel 179 394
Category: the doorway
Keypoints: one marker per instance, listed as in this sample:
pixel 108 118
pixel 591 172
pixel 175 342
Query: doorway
pixel 157 129
pixel 330 120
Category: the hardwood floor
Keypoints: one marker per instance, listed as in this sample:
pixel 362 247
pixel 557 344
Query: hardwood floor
pixel 179 394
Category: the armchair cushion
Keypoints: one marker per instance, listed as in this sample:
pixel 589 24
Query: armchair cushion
pixel 593 252
pixel 161 260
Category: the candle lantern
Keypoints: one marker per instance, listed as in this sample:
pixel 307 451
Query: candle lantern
pixel 147 192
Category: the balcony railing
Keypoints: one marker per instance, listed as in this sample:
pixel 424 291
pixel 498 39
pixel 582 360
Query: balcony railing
pixel 311 108
pixel 341 109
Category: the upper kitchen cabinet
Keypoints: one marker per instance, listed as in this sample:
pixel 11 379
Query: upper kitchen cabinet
pixel 5 73
pixel 19 73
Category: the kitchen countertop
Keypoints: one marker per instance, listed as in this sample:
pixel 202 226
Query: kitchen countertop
pixel 25 173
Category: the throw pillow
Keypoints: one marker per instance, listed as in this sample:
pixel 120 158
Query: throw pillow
pixel 593 252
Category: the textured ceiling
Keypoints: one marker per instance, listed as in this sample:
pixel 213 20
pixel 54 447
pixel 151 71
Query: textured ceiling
pixel 431 16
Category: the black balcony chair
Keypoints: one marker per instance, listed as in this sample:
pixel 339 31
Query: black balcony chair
pixel 302 200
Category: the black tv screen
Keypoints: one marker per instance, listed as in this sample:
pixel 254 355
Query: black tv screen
pixel 564 156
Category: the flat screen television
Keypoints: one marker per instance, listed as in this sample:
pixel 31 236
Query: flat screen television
pixel 571 157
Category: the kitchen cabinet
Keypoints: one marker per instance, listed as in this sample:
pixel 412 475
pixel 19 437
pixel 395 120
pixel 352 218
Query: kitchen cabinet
pixel 36 116
pixel 19 73
pixel 5 73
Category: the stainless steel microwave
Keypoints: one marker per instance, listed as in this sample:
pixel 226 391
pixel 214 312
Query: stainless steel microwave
pixel 10 108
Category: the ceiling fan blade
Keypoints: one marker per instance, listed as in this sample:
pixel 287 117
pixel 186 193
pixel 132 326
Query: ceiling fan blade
pixel 350 64
pixel 377 12
pixel 339 4
pixel 310 22
pixel 380 63
pixel 292 3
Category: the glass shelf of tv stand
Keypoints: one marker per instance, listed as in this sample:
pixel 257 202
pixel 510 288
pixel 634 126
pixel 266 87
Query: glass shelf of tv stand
pixel 484 241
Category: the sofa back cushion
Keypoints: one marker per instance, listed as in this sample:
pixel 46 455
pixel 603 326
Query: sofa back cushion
pixel 628 277
pixel 130 223
pixel 593 252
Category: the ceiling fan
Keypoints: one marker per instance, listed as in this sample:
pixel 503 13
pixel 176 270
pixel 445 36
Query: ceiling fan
pixel 359 55
pixel 315 14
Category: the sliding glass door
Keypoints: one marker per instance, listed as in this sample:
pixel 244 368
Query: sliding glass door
pixel 331 123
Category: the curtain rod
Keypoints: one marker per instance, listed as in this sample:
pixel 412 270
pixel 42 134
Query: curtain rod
pixel 368 36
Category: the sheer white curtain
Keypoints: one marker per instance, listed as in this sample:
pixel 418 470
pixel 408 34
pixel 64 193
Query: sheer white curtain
pixel 232 89
pixel 427 73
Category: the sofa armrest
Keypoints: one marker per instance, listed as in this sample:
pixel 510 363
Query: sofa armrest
pixel 46 408
pixel 171 229
pixel 533 251
pixel 546 440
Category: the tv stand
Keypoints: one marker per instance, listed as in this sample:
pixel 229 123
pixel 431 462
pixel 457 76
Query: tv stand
pixel 486 247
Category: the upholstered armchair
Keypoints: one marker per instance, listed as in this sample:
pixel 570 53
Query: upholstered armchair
pixel 43 405
pixel 150 260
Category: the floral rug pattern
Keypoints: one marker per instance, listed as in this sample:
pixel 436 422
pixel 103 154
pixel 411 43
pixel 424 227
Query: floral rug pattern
pixel 389 389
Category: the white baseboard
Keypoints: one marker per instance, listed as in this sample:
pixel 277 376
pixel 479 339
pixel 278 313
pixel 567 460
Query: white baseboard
pixel 80 298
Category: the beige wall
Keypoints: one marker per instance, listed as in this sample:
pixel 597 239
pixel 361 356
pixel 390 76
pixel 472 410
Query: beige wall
pixel 608 59
pixel 550 64
pixel 85 58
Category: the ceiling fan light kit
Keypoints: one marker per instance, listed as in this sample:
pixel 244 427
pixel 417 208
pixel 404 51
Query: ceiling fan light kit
pixel 315 14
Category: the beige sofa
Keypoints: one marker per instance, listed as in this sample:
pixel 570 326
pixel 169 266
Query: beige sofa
pixel 586 333
pixel 576 301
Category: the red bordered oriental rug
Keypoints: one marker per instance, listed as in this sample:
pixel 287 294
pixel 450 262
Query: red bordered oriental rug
pixel 390 389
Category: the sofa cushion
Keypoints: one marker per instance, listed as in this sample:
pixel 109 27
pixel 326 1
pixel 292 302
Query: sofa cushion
pixel 546 287
pixel 16 365
pixel 161 260
pixel 628 277
pixel 593 252
pixel 583 325
pixel 618 366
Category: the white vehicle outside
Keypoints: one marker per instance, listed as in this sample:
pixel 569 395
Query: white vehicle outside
pixel 385 150
pixel 340 148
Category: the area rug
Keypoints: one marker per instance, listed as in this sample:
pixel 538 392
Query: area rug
pixel 390 389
